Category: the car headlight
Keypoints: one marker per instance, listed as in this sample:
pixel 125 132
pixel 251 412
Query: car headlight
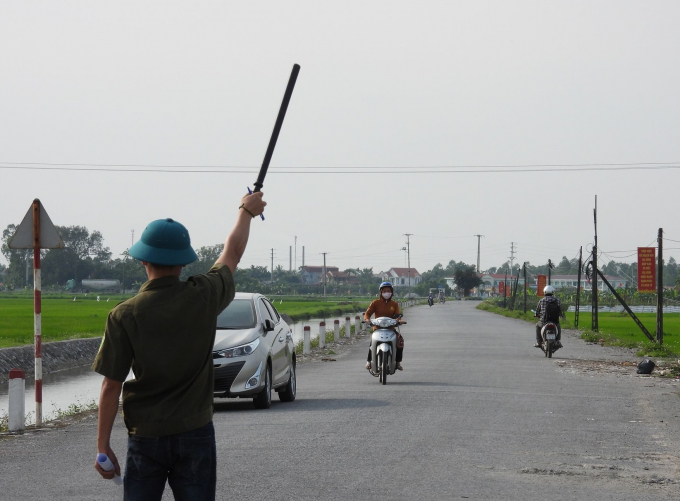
pixel 239 351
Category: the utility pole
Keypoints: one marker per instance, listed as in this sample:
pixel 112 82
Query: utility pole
pixel 524 267
pixel 295 253
pixel 550 267
pixel 479 271
pixel 303 256
pixel 595 324
pixel 408 253
pixel 272 266
pixel 479 239
pixel 324 274
pixel 659 290
pixel 512 255
pixel 578 287
pixel 290 258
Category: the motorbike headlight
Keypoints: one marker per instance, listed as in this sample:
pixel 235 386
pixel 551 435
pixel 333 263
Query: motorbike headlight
pixel 387 322
pixel 239 351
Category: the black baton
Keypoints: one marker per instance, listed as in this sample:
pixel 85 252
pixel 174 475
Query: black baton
pixel 277 127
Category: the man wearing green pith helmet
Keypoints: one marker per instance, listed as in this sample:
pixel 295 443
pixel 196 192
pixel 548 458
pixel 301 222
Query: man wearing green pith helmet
pixel 165 334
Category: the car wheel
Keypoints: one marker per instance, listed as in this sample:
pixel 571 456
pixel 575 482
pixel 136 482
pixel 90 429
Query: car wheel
pixel 263 400
pixel 287 394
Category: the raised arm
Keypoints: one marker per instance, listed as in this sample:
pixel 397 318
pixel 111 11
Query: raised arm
pixel 235 245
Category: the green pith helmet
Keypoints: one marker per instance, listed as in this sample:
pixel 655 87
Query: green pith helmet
pixel 165 242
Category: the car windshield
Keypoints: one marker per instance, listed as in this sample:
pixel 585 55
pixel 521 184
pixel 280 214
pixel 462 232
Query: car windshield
pixel 240 314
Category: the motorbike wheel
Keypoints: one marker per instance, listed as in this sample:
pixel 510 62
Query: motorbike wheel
pixel 385 367
pixel 548 349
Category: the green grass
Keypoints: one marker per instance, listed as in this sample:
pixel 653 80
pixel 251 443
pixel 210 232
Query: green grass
pixel 63 318
pixel 302 310
pixel 616 329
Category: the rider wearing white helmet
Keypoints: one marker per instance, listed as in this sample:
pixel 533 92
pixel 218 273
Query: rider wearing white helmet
pixel 549 309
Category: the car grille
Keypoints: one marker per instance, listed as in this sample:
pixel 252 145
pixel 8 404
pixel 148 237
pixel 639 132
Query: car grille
pixel 224 376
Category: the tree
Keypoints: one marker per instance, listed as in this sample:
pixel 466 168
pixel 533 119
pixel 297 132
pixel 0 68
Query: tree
pixel 18 259
pixel 83 255
pixel 466 278
pixel 206 259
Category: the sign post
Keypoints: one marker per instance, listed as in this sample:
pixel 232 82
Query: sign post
pixel 37 232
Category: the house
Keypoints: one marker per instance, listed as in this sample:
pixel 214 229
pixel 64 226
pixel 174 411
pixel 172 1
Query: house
pixel 314 274
pixel 400 277
pixel 491 282
pixel 571 281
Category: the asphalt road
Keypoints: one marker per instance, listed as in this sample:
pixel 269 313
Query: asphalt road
pixel 478 413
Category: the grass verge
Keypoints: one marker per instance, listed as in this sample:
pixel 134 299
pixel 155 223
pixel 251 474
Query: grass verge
pixel 616 329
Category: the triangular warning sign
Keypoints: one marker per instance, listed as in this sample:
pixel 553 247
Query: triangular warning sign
pixel 23 237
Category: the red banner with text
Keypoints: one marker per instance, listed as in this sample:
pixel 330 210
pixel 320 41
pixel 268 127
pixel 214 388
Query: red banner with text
pixel 646 272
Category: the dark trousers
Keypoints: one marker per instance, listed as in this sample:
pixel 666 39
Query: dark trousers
pixel 187 461
pixel 400 354
pixel 539 326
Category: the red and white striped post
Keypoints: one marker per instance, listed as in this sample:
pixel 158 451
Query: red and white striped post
pixel 336 330
pixel 37 310
pixel 17 412
pixel 306 341
pixel 322 334
pixel 36 232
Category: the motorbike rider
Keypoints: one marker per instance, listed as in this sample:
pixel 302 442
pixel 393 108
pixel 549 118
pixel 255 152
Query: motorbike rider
pixel 548 302
pixel 430 299
pixel 385 306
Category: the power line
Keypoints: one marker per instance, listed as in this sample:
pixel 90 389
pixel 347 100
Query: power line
pixel 444 169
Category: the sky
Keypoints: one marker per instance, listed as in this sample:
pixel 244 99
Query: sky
pixel 438 119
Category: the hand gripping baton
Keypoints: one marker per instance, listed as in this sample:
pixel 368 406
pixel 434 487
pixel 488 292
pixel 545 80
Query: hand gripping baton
pixel 107 465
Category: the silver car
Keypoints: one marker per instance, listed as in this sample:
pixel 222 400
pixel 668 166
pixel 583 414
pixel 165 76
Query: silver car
pixel 254 352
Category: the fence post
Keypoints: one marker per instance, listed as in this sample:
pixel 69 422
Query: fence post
pixel 306 344
pixel 348 329
pixel 17 403
pixel 322 334
pixel 336 330
pixel 357 325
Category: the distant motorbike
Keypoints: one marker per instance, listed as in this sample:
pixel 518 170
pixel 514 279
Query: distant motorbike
pixel 430 301
pixel 384 347
pixel 442 299
pixel 549 343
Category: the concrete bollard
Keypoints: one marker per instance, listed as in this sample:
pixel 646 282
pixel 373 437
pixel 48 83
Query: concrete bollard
pixel 306 343
pixel 322 334
pixel 357 325
pixel 336 330
pixel 17 410
pixel 348 328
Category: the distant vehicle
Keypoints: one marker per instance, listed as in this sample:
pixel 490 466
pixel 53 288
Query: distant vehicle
pixel 94 284
pixel 254 352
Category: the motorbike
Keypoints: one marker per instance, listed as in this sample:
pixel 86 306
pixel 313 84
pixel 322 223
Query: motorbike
pixel 430 301
pixel 384 347
pixel 549 339
pixel 442 299
pixel 549 343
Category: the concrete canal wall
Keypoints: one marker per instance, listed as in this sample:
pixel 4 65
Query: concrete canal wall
pixel 55 356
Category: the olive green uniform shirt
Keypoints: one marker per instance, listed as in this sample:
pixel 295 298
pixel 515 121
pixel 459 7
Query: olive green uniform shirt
pixel 166 335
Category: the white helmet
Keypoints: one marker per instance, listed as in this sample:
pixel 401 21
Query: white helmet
pixel 549 290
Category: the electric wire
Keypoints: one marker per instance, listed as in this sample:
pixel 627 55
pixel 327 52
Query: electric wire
pixel 423 169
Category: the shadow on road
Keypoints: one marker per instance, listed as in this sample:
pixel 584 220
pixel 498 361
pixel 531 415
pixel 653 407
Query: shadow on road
pixel 301 404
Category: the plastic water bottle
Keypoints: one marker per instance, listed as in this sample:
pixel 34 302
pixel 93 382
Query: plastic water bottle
pixel 107 465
